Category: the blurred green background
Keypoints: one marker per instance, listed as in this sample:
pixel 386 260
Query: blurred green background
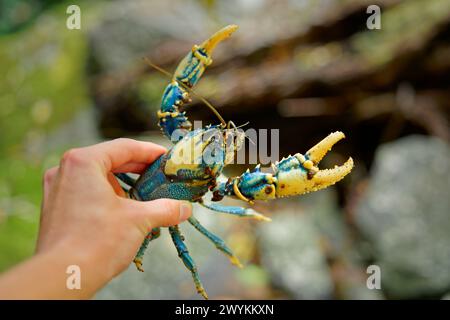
pixel 302 66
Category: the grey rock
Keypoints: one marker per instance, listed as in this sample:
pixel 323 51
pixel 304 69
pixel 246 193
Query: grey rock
pixel 405 215
pixel 129 29
pixel 291 247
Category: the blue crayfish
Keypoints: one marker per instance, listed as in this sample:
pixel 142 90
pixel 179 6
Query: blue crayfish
pixel 190 169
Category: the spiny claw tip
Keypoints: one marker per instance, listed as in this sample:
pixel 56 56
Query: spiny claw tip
pixel 316 153
pixel 217 37
pixel 328 177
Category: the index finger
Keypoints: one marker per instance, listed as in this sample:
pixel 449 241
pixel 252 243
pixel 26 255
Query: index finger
pixel 115 153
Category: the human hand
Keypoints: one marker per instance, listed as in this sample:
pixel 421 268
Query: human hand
pixel 85 215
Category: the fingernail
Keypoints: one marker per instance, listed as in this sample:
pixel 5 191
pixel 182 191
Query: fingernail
pixel 185 210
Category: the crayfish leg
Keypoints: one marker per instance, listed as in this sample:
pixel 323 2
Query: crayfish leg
pixel 183 253
pixel 218 242
pixel 125 178
pixel 237 211
pixel 152 235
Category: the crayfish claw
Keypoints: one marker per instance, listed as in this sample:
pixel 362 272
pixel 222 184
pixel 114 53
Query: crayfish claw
pixel 224 33
pixel 316 153
pixel 300 174
pixel 328 177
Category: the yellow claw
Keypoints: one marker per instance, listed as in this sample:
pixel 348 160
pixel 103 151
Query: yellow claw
pixel 224 33
pixel 293 180
pixel 189 70
pixel 316 153
pixel 327 177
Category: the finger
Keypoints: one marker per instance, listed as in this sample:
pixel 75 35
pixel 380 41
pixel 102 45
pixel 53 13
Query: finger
pixel 113 154
pixel 48 180
pixel 134 167
pixel 159 213
pixel 118 152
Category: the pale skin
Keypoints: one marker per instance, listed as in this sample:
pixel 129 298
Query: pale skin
pixel 87 221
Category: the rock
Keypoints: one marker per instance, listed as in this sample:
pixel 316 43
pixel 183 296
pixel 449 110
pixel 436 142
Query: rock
pixel 291 249
pixel 129 29
pixel 405 216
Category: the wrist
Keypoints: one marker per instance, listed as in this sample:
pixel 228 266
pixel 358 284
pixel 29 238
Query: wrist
pixel 83 265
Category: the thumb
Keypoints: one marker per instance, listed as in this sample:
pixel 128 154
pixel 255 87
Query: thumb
pixel 159 212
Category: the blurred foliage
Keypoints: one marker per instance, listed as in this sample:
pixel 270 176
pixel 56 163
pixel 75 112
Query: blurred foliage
pixel 17 14
pixel 403 25
pixel 42 86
